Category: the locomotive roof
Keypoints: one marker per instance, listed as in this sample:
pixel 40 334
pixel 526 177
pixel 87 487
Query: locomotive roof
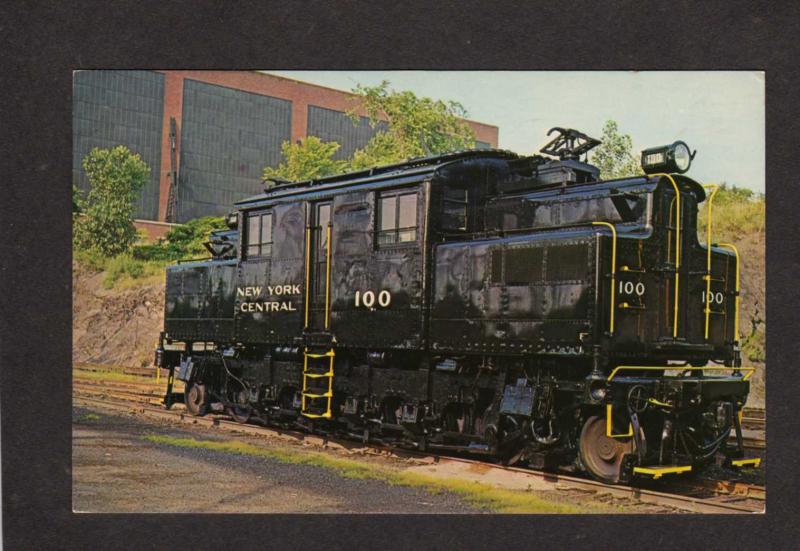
pixel 413 169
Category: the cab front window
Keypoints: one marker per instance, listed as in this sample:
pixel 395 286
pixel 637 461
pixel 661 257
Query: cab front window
pixel 259 235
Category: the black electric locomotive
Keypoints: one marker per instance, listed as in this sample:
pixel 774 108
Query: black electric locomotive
pixel 479 301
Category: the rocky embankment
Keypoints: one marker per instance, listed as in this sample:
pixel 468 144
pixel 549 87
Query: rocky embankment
pixel 111 326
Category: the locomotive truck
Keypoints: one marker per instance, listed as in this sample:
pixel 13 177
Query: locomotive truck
pixel 516 307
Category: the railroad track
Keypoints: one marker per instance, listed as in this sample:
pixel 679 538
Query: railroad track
pixel 137 391
pixel 143 372
pixel 119 392
pixel 700 496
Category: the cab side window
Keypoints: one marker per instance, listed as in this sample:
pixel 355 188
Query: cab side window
pixel 397 218
pixel 454 209
pixel 259 234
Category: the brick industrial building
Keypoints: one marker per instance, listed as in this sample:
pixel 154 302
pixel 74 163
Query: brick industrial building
pixel 216 130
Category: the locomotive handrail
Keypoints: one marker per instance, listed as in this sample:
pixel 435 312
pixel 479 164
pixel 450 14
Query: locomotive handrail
pixel 714 190
pixel 613 270
pixel 732 247
pixel 327 275
pixel 749 370
pixel 610 424
pixel 308 270
pixel 677 248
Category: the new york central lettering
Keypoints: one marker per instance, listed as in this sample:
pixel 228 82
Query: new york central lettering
pixel 286 306
pixel 271 290
pixel 267 305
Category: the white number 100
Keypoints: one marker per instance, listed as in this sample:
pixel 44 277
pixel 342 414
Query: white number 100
pixel 368 299
pixel 713 298
pixel 629 287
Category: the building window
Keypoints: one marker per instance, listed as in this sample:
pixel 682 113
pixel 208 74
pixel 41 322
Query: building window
pixel 397 218
pixel 454 209
pixel 259 234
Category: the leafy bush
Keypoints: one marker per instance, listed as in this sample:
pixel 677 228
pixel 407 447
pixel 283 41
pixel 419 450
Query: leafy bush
pixel 77 200
pixel 116 176
pixel 182 242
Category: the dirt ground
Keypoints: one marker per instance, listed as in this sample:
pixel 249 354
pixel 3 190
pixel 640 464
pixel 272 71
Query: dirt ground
pixel 115 470
pixel 117 467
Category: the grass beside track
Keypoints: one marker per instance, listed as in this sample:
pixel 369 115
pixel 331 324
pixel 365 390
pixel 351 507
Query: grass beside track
pixel 476 493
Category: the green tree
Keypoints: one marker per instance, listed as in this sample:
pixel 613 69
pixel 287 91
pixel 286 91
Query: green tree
pixel 418 126
pixel 116 177
pixel 614 157
pixel 730 194
pixel 77 200
pixel 309 159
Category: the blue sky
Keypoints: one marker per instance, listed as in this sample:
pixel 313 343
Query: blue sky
pixel 718 113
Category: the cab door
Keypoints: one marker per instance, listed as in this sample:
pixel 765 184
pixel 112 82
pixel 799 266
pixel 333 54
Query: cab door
pixel 321 230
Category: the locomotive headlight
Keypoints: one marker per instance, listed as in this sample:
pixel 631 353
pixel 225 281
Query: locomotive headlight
pixel 682 156
pixel 667 158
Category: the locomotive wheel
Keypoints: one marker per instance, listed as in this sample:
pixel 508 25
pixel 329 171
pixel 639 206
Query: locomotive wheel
pixel 240 414
pixel 240 411
pixel 513 458
pixel 602 456
pixel 195 396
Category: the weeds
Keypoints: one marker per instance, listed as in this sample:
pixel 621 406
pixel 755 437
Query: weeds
pixel 91 259
pixel 737 212
pixel 145 262
pixel 476 493
pixel 753 346
pixel 124 268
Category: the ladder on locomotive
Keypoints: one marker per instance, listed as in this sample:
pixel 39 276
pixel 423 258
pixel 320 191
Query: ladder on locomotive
pixel 318 361
pixel 315 395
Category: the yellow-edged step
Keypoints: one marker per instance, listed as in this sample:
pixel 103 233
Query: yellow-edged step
pixel 754 462
pixel 307 394
pixel 658 472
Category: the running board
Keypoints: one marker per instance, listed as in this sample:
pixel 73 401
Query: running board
pixel 754 462
pixel 658 472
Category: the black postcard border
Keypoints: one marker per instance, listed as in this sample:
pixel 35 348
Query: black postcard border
pixel 45 41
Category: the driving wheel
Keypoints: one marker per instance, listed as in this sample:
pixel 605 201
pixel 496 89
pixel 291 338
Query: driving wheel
pixel 240 409
pixel 601 455
pixel 195 396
